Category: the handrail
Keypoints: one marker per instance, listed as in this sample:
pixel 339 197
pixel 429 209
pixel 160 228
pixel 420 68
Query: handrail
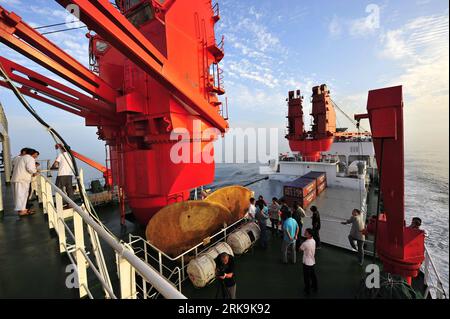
pixel 151 275
pixel 439 287
pixel 429 263
pixel 137 238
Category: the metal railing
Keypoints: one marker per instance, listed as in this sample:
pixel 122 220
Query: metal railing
pixel 174 268
pixel 128 264
pixel 432 279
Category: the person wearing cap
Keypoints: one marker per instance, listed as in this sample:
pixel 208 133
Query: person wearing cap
pixel 64 165
pixel 225 275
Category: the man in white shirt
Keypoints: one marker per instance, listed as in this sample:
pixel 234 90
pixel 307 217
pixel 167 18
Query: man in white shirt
pixel 309 250
pixel 251 210
pixel 24 169
pixel 65 171
pixel 15 159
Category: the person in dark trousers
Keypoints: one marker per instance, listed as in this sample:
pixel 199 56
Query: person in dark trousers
pixel 260 201
pixel 285 213
pixel 274 215
pixel 316 225
pixel 357 233
pixel 298 214
pixel 290 233
pixel 64 165
pixel 309 274
pixel 225 276
pixel 262 215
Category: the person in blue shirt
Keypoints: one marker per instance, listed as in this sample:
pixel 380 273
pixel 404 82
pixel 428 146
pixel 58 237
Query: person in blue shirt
pixel 290 234
pixel 262 215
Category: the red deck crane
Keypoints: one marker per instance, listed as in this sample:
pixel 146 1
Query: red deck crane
pixel 311 144
pixel 401 248
pixel 157 69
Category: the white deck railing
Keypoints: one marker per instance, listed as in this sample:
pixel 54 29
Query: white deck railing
pixel 432 279
pixel 71 237
pixel 174 268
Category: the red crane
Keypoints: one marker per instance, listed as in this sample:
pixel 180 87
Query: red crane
pixel 401 248
pixel 156 69
pixel 311 144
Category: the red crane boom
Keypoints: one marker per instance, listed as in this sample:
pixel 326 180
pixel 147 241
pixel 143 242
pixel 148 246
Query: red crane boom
pixel 158 72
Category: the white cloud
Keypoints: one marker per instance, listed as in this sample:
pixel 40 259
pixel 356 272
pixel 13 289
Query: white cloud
pixel 364 26
pixel 361 27
pixel 395 46
pixel 422 50
pixel 335 27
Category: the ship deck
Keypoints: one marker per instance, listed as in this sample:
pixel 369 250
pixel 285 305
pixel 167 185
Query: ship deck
pixel 31 266
pixel 261 274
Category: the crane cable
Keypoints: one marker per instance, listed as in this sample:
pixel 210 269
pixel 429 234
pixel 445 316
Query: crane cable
pixel 58 140
pixel 348 117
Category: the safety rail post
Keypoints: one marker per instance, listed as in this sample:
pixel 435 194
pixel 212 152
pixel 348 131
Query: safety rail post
pixel 44 195
pixel 50 206
pixel 80 258
pixel 39 189
pixel 127 277
pixel 61 230
pixel 95 241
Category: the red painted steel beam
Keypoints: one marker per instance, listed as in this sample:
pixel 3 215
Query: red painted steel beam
pixel 90 162
pixel 66 97
pixel 34 95
pixel 106 171
pixel 26 40
pixel 111 25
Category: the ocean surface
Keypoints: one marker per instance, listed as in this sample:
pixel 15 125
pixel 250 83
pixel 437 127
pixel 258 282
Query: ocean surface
pixel 426 196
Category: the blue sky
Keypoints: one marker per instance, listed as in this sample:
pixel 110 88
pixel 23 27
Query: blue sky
pixel 275 46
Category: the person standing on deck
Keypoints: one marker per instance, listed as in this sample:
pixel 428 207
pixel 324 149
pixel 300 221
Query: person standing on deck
pixel 416 223
pixel 298 214
pixel 316 225
pixel 309 250
pixel 225 274
pixel 251 211
pixel 357 233
pixel 262 215
pixel 290 233
pixel 65 171
pixel 274 215
pixel 285 213
pixel 15 159
pixel 260 200
pixel 24 170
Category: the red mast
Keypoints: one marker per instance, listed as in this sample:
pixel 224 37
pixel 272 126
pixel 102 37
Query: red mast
pixel 311 144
